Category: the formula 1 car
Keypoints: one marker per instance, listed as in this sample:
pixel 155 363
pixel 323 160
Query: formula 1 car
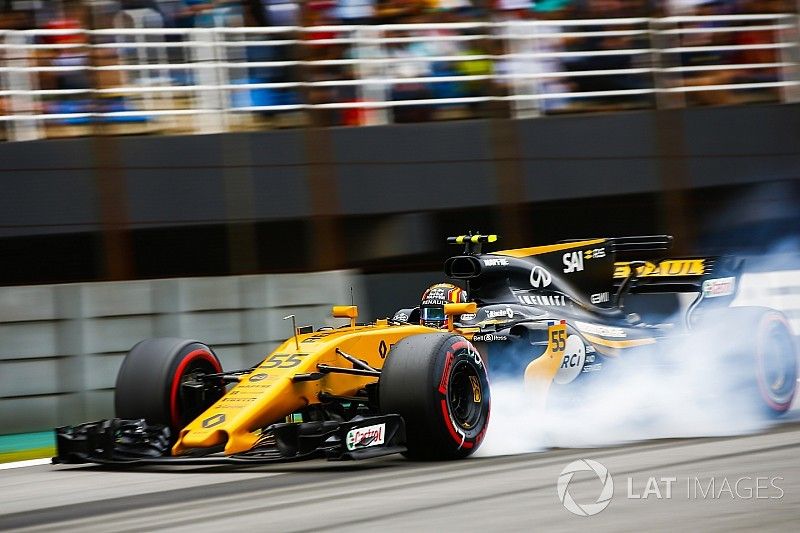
pixel 553 315
pixel 355 392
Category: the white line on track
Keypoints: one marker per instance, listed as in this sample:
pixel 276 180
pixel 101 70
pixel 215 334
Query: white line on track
pixel 23 464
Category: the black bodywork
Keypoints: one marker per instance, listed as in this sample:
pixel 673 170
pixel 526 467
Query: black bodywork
pixel 519 292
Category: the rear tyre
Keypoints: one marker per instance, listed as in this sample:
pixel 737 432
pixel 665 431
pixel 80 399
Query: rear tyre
pixel 438 383
pixel 766 352
pixel 775 361
pixel 149 382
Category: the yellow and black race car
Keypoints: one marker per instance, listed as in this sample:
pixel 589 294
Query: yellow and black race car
pixel 354 392
pixel 554 316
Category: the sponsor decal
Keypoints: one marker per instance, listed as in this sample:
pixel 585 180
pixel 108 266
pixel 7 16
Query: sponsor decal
pixel 600 297
pixel 401 316
pixel 540 277
pixel 258 377
pixel 603 331
pixel 571 361
pixel 318 335
pixel 283 360
pixel 533 299
pixel 366 437
pixel 472 352
pixel 476 389
pixel 215 420
pixel 382 349
pixel 500 261
pixel 670 267
pixel 573 262
pixel 467 316
pixel 502 313
pixel 488 337
pixel 589 355
pixel 714 288
pixel 238 399
pixel 436 293
pixel 595 253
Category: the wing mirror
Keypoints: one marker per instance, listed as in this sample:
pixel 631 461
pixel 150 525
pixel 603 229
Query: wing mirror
pixel 460 309
pixel 346 311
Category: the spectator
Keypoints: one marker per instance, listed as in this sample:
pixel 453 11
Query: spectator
pixel 609 83
pixel 355 11
pixel 398 11
pixel 207 13
pixel 698 55
pixel 71 17
pixel 276 13
pixel 409 62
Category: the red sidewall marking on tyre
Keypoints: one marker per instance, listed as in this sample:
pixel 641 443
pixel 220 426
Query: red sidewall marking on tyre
pixel 445 381
pixel 462 441
pixel 479 437
pixel 176 380
pixel 763 387
pixel 463 344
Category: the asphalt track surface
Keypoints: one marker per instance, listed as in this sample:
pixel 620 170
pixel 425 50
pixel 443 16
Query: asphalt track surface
pixel 504 493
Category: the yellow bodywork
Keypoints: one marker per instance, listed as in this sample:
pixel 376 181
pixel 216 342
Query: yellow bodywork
pixel 538 250
pixel 540 372
pixel 268 394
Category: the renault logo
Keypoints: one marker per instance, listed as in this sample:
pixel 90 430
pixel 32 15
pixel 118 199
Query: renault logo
pixel 214 421
pixel 540 277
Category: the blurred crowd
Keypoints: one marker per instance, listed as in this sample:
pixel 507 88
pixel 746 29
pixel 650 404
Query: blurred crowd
pixel 29 14
pixel 514 65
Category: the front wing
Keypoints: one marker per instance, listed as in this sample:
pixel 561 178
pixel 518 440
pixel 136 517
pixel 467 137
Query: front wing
pixel 135 442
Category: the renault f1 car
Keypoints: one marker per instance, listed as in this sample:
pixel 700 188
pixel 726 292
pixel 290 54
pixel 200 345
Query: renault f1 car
pixel 554 315
pixel 355 392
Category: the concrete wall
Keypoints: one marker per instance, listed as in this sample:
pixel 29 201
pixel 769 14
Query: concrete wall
pixel 61 345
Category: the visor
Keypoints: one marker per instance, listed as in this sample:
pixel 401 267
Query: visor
pixel 433 314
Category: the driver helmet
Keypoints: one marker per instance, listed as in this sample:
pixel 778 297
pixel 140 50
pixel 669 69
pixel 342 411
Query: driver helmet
pixel 431 310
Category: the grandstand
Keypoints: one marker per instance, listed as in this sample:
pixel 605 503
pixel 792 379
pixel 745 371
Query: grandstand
pixel 74 68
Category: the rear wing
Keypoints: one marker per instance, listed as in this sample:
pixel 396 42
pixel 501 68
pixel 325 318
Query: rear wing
pixel 637 246
pixel 714 277
pixel 585 269
pixel 646 257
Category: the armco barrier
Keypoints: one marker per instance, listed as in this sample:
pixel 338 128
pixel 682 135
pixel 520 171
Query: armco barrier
pixel 61 345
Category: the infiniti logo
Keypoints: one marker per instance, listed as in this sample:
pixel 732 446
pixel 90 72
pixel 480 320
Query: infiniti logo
pixel 540 277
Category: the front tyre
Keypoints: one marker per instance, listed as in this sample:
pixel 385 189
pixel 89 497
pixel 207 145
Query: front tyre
pixel 438 383
pixel 151 382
